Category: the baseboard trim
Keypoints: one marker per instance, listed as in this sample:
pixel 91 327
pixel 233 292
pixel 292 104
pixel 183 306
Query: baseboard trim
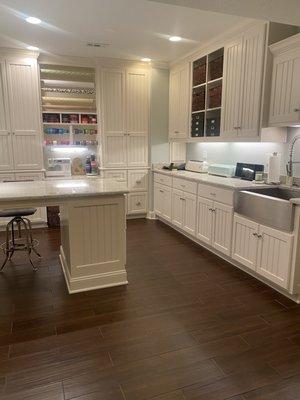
pixel 294 297
pixel 151 215
pixel 93 282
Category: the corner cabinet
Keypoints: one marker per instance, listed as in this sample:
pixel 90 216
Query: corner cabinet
pixel 244 60
pixel 285 92
pixel 179 94
pixel 125 117
pixel 20 121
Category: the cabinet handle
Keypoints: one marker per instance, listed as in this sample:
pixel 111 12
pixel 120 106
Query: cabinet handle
pixel 176 131
pixel 237 127
pixel 138 182
pixel 182 186
pixel 254 234
pixel 213 194
pixel 138 203
pixel 161 191
pixel 181 198
pixel 296 109
pixel 259 236
pixel 211 209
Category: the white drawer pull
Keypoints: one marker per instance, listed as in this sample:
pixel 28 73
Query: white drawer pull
pixel 161 190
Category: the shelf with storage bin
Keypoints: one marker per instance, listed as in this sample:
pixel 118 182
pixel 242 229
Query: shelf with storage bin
pixel 207 79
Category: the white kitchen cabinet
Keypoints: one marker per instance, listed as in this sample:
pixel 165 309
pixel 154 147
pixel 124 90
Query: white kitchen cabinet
pixel 243 75
pixel 214 224
pixel 137 203
pixel 163 201
pixel 244 242
pixel 274 255
pixel 265 250
pixel 20 125
pixel 125 105
pixel 285 92
pixel 189 213
pixel 116 174
pixel 179 95
pixel 221 239
pixel 204 220
pixel 138 180
pixel 177 208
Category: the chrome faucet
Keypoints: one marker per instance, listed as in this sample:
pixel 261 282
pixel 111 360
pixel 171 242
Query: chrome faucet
pixel 289 165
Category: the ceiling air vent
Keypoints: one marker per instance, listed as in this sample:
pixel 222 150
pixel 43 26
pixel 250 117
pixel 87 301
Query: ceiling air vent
pixel 93 44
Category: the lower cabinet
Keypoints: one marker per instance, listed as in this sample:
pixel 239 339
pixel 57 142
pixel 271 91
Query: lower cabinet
pixel 163 201
pixel 137 203
pixel 265 250
pixel 184 206
pixel 214 224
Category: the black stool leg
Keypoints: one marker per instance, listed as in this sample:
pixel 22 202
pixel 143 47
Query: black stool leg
pixel 31 238
pixel 7 252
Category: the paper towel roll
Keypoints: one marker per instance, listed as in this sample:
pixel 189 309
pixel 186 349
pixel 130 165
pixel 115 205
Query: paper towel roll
pixel 274 168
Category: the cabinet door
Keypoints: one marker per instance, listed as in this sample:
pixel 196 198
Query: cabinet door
pixel 116 174
pixel 115 150
pixel 252 74
pixel 138 180
pixel 25 114
pixel 6 159
pixel 177 207
pixel 163 201
pixel 112 98
pixel 137 101
pixel 244 242
pixel 189 213
pixel 179 95
pixel 137 203
pixel 285 92
pixel 232 86
pixel 274 255
pixel 137 149
pixel 222 232
pixel 204 220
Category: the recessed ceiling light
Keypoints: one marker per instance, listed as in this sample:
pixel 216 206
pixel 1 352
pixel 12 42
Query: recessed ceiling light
pixel 175 38
pixel 146 59
pixel 33 48
pixel 33 20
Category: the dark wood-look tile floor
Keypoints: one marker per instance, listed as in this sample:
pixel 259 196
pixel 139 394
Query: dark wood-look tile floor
pixel 189 326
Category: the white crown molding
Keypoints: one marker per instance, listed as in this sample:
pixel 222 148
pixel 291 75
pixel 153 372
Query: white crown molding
pixel 291 43
pixel 10 52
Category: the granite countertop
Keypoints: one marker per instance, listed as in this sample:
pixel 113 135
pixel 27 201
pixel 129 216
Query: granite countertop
pixel 229 183
pixel 60 188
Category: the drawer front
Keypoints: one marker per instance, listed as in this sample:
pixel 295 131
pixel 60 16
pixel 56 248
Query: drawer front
pixel 214 193
pixel 162 179
pixel 138 180
pixel 116 174
pixel 29 176
pixel 185 185
pixel 137 203
pixel 7 177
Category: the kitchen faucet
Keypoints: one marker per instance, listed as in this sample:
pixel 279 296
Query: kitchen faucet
pixel 289 165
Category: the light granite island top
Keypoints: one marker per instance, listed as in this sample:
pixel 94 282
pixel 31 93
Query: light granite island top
pixel 93 226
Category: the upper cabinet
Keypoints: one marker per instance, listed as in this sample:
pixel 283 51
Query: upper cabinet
pixel 244 60
pixel 285 93
pixel 20 118
pixel 179 102
pixel 125 117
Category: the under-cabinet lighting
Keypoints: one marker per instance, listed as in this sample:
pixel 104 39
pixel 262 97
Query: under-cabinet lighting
pixel 33 48
pixel 69 149
pixel 71 185
pixel 146 59
pixel 175 38
pixel 33 20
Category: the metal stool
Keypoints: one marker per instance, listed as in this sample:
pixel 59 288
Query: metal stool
pixel 13 243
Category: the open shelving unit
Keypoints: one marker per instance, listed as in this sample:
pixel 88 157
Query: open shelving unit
pixel 207 76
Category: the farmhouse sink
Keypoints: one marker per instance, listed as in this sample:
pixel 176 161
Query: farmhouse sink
pixel 268 206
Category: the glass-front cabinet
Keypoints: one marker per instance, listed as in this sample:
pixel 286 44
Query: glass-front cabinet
pixel 207 75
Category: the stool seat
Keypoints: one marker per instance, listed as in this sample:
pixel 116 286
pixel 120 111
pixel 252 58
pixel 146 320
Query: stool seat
pixel 18 212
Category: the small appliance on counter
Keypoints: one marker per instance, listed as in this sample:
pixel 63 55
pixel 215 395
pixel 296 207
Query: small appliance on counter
pixel 274 168
pixel 225 170
pixel 174 166
pixel 197 166
pixel 248 171
pixel 59 167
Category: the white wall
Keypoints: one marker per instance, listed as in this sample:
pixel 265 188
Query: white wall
pixel 231 153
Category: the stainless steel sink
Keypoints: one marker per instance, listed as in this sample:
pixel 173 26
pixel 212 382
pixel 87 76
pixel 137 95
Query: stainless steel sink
pixel 268 206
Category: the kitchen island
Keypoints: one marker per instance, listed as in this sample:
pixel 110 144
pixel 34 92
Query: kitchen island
pixel 93 226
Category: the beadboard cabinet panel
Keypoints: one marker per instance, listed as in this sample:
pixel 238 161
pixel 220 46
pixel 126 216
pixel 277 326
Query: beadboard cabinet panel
pixel 253 62
pixel 113 92
pixel 115 150
pixel 137 105
pixel 244 243
pixel 177 208
pixel 163 201
pixel 204 220
pixel 189 213
pixel 232 86
pixel 137 149
pixel 222 215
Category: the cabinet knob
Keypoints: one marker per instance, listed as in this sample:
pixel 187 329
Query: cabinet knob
pixel 296 109
pixel 176 131
pixel 138 203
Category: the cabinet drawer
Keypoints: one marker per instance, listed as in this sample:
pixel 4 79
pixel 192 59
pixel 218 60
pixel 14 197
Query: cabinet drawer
pixel 138 180
pixel 29 176
pixel 185 185
pixel 215 193
pixel 7 177
pixel 163 179
pixel 116 174
pixel 137 203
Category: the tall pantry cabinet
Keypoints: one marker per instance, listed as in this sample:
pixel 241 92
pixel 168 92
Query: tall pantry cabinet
pixel 124 117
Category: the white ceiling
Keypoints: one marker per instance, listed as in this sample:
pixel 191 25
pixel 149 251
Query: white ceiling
pixel 133 28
